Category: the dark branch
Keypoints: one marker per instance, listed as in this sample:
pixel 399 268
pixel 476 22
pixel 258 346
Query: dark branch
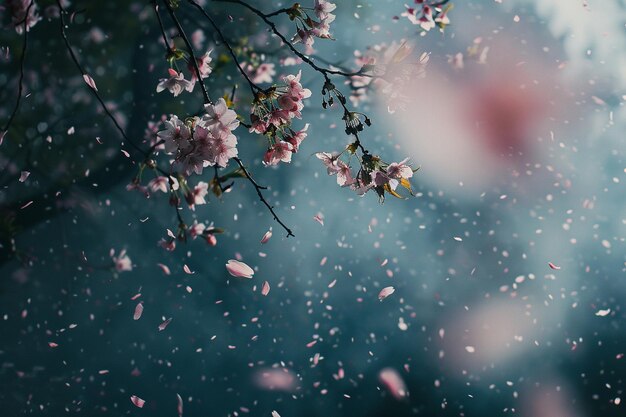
pixel 252 85
pixel 21 80
pixel 68 46
pixel 258 189
pixel 182 34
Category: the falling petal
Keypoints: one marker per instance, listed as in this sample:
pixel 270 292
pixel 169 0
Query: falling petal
pixel 138 311
pixel 137 401
pixel 179 407
pixel 394 383
pixel 385 292
pixel 266 236
pixel 553 266
pixel 163 325
pixel 239 269
pixel 164 268
pixel 266 288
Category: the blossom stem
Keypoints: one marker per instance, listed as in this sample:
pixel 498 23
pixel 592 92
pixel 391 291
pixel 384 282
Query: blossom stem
pixel 181 32
pixel 258 189
pixel 20 87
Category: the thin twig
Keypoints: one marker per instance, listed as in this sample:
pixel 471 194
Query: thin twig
pixel 194 60
pixel 324 71
pixel 158 15
pixel 21 80
pixel 68 46
pixel 255 88
pixel 258 189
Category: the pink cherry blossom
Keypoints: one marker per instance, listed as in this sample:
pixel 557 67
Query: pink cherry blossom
pixel 279 152
pixel 176 135
pixel 399 170
pixel 196 229
pixel 323 8
pixel 204 65
pixel 175 84
pixel 258 125
pixel 264 73
pixel 162 183
pixel 344 174
pixel 296 138
pixel 304 36
pixel 17 10
pixel 220 115
pixel 196 196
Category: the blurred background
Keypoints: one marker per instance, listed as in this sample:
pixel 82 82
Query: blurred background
pixel 508 265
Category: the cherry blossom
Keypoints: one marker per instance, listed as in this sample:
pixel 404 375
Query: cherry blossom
pixel 175 84
pixel 18 10
pixel 279 152
pixel 220 115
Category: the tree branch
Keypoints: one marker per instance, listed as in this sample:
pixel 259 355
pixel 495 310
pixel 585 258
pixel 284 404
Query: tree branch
pixel 21 80
pixel 258 189
pixel 182 34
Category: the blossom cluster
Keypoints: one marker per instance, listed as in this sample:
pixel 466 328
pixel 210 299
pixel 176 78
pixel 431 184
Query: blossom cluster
pixel 199 142
pixel 428 15
pixel 307 27
pixel 176 83
pixel 373 173
pixel 272 113
pixel 22 13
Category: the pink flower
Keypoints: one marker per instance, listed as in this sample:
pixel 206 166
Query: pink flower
pixel 220 115
pixel 211 239
pixel 344 175
pixel 176 135
pixel 279 118
pixel 17 9
pixel 399 170
pixel 322 28
pixel 304 36
pixel 379 179
pixel 323 8
pixel 221 147
pixel 294 88
pixel 196 229
pixel 204 65
pixel 263 73
pixel 330 161
pixel 169 244
pixel 196 196
pixel 297 137
pixel 279 152
pixel 425 21
pixel 162 183
pixel 258 125
pixel 175 84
